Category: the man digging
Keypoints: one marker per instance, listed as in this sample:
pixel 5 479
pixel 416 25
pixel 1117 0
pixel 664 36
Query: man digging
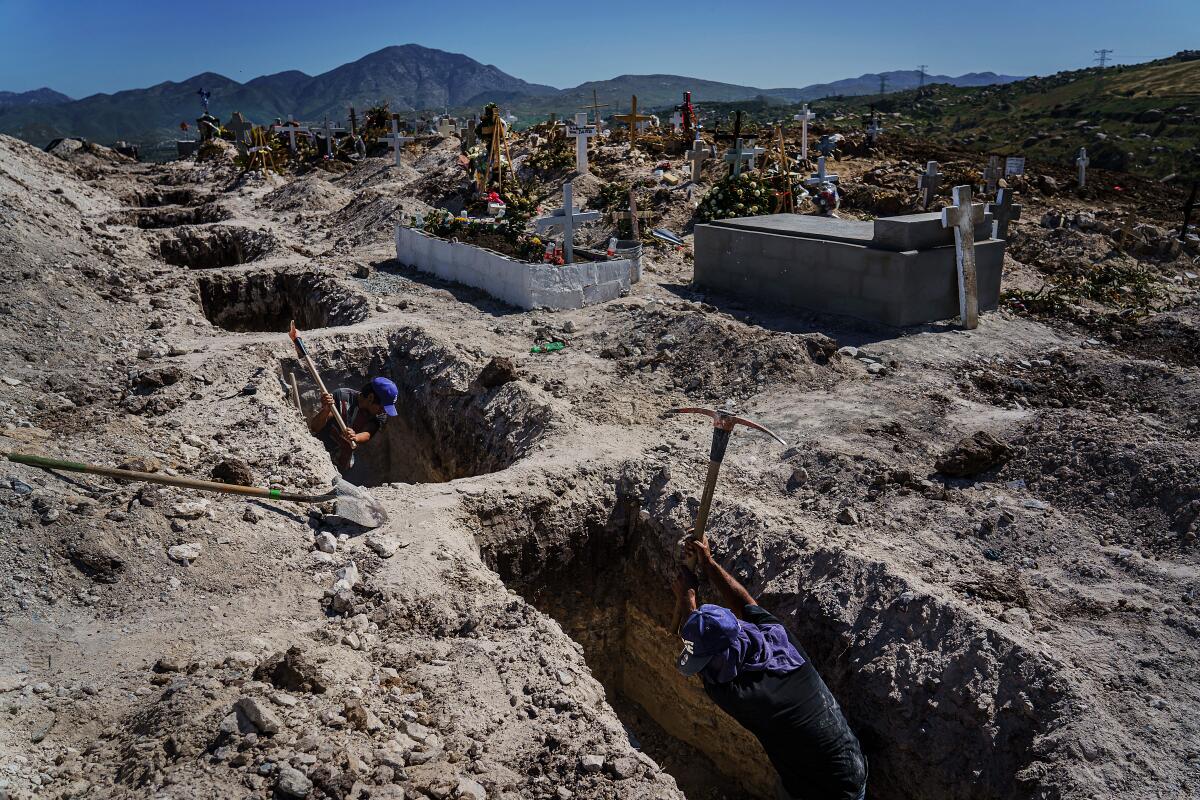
pixel 365 412
pixel 756 671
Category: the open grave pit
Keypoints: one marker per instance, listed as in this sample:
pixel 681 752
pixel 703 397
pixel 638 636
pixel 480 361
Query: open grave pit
pixel 944 705
pixel 170 216
pixel 215 246
pixel 153 198
pixel 455 420
pixel 268 300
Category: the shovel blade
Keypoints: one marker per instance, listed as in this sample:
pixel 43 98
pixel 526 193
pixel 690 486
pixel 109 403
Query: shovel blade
pixel 357 505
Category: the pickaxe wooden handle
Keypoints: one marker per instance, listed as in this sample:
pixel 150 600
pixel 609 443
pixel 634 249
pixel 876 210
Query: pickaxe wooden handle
pixel 723 424
pixel 302 351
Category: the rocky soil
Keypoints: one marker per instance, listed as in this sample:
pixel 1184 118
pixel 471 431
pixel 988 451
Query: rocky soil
pixel 986 539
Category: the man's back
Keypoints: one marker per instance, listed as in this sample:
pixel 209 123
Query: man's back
pixel 799 724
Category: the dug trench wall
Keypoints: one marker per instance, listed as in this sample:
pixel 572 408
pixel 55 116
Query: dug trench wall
pixel 945 705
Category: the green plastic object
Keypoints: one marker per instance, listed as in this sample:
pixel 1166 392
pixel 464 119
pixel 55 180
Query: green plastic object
pixel 549 347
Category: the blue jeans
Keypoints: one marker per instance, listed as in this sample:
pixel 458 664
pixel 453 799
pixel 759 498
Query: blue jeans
pixel 782 793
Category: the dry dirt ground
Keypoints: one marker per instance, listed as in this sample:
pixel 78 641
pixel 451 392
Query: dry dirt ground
pixel 1008 620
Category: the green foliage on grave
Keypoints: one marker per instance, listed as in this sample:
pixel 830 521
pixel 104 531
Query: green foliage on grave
pixel 555 153
pixel 1115 285
pixel 746 195
pixel 612 196
pixel 503 236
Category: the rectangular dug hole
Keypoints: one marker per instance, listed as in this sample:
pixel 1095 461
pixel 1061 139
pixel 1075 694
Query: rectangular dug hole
pixel 449 425
pixel 913 699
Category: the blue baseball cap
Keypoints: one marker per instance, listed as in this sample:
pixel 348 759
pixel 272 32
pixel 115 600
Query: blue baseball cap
pixel 708 631
pixel 386 393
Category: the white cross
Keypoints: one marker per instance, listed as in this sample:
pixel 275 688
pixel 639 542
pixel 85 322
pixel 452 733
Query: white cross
pixel 396 140
pixel 929 182
pixel 874 129
pixel 697 156
pixel 676 122
pixel 582 132
pixel 330 130
pixel 738 154
pixel 444 128
pixel 803 117
pixel 963 216
pixel 566 218
pixel 292 129
pixel 1082 161
pixel 820 176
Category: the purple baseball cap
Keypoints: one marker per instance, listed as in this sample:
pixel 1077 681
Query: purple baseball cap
pixel 708 631
pixel 386 393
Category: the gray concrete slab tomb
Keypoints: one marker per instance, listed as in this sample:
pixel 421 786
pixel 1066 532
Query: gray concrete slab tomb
pixel 895 270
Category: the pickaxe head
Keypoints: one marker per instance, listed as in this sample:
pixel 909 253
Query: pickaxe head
pixel 724 420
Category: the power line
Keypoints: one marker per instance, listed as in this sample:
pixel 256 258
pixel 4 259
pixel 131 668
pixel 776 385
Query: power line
pixel 1102 56
pixel 921 70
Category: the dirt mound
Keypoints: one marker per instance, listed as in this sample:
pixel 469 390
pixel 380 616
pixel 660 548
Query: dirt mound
pixel 372 216
pixel 709 354
pixel 312 193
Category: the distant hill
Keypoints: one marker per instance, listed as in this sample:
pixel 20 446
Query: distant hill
pixel 895 81
pixel 1142 118
pixel 36 97
pixel 409 77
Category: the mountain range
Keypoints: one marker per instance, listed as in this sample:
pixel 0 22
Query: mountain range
pixel 409 77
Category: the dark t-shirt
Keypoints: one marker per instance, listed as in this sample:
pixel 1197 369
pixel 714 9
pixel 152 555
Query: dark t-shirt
pixel 346 403
pixel 799 724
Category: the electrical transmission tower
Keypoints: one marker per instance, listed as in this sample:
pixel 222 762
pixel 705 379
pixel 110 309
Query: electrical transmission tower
pixel 883 81
pixel 921 71
pixel 1102 56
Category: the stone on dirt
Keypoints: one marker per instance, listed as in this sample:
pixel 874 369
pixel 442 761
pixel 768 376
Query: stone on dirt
pixel 260 715
pixel 185 553
pixel 233 470
pixel 976 453
pixel 291 782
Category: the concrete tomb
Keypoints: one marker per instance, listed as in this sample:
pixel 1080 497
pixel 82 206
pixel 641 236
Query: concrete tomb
pixel 895 270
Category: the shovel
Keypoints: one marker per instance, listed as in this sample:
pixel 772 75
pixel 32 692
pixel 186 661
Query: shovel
pixel 353 502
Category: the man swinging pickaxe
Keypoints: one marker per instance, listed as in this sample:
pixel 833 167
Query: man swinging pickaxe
pixel 723 425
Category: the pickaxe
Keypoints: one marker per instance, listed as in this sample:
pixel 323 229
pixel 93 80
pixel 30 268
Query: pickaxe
pixel 723 425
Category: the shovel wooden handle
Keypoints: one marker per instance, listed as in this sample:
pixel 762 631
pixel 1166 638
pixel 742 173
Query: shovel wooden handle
pixel 166 480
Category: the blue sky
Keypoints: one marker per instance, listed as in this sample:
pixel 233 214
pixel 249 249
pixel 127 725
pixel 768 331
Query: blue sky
pixel 85 46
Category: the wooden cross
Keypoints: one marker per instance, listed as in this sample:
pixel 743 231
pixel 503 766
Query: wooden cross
pixel 1004 211
pixel 240 128
pixel 497 153
pixel 803 118
pixel 928 183
pixel 1082 161
pixel 991 175
pixel 581 131
pixel 330 130
pixel 820 176
pixel 632 119
pixel 730 137
pixel 595 109
pixel 395 139
pixel 738 154
pixel 566 218
pixel 696 156
pixel 963 216
pixel 259 152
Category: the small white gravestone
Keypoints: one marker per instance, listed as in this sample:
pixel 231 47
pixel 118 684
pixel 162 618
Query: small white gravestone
pixel 963 216
pixel 1082 162
pixel 396 140
pixel 566 218
pixel 696 156
pixel 581 131
pixel 928 183
pixel 821 176
pixel 803 118
pixel 445 127
pixel 1014 165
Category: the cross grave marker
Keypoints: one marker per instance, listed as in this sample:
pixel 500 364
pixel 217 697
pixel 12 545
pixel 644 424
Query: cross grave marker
pixel 803 118
pixel 1004 211
pixel 581 131
pixel 396 140
pixel 330 129
pixel 963 216
pixel 566 218
pixel 991 175
pixel 820 176
pixel 676 122
pixel 240 128
pixel 928 183
pixel 634 120
pixel 697 156
pixel 1082 162
pixel 738 154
